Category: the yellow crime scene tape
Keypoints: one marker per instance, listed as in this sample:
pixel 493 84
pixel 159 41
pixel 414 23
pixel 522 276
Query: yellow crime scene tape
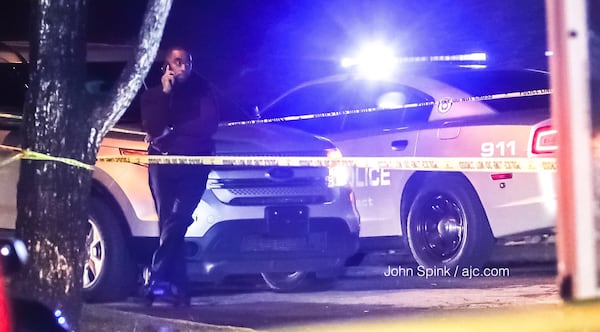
pixel 438 103
pixel 394 163
pixel 468 164
pixel 32 155
pixel 515 165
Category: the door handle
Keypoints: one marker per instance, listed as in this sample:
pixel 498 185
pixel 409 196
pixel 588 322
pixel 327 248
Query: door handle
pixel 448 133
pixel 399 145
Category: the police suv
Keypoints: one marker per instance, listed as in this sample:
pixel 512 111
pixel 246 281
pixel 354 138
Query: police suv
pixel 294 225
pixel 447 217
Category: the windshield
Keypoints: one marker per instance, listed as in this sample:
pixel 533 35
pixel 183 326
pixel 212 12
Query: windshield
pixel 351 104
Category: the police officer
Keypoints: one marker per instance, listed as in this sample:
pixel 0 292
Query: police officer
pixel 180 116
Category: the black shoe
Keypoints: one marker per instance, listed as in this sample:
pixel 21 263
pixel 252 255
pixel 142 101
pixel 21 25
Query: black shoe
pixel 166 292
pixel 148 294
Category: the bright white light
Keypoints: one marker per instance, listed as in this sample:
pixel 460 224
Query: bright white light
pixel 377 61
pixel 21 250
pixel 339 176
pixel 373 61
pixel 455 57
pixel 348 62
pixel 5 251
pixel 549 53
pixel 473 57
pixel 474 66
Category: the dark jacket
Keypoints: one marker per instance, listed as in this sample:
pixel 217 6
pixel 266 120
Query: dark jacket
pixel 183 121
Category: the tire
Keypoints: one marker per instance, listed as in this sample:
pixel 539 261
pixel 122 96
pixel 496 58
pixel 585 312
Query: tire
pixel 109 270
pixel 285 282
pixel 447 225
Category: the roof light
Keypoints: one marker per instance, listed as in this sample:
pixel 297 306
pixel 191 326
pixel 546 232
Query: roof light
pixel 373 61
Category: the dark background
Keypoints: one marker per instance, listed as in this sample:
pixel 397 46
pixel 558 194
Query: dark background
pixel 255 49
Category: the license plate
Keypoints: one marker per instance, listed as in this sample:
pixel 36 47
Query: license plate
pixel 287 220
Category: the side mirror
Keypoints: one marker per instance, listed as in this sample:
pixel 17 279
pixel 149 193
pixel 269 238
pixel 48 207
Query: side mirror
pixel 13 255
pixel 248 112
pixel 256 113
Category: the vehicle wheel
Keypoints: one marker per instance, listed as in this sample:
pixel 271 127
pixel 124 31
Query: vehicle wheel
pixel 109 271
pixel 447 225
pixel 296 281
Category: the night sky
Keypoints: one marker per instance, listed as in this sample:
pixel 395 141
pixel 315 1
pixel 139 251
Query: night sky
pixel 273 44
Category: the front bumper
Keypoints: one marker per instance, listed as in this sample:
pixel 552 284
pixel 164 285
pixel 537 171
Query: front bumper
pixel 227 239
pixel 211 211
pixel 247 247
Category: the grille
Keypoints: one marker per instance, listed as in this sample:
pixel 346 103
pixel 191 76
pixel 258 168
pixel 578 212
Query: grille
pixel 279 200
pixel 277 191
pixel 274 195
pixel 314 242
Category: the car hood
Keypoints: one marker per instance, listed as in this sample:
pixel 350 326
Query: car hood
pixel 268 139
pixel 248 140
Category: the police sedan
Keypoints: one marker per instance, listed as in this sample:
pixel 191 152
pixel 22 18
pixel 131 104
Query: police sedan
pixel 448 217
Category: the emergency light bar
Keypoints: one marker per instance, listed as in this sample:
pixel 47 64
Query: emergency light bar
pixel 378 61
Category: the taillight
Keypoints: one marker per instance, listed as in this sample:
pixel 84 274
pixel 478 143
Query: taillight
pixel 544 140
pixel 4 309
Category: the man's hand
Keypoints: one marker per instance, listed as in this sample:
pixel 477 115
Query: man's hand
pixel 167 80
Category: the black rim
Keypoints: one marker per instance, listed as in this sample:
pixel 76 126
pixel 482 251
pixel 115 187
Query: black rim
pixel 440 228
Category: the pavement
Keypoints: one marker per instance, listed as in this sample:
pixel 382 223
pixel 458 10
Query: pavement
pixel 556 316
pixel 98 319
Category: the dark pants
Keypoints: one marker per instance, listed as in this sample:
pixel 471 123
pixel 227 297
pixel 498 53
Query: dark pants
pixel 177 190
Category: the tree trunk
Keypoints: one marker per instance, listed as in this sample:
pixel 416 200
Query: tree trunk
pixel 52 197
pixel 59 120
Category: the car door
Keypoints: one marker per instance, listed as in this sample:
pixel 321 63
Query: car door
pixel 12 96
pixel 385 124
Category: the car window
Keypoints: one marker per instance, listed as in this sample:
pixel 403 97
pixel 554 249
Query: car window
pixel 484 83
pixel 356 100
pixel 395 104
pixel 100 78
pixel 13 78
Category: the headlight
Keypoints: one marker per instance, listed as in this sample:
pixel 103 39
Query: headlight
pixel 339 175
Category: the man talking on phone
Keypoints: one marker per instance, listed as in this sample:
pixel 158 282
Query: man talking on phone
pixel 180 116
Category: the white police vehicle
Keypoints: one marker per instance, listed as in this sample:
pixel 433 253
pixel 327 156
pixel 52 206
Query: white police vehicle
pixel 449 218
pixel 293 225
